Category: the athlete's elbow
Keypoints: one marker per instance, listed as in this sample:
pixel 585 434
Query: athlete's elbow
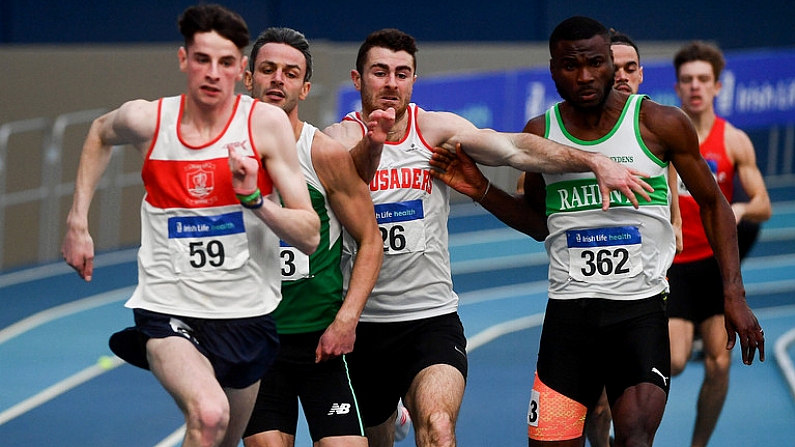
pixel 309 244
pixel 311 238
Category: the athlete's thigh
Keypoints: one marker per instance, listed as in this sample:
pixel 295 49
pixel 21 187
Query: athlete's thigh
pixel 713 331
pixel 637 414
pixel 329 401
pixel 376 370
pixel 241 402
pixel 182 370
pixel 640 349
pixel 276 407
pixel 436 389
pixel 681 340
pixel 569 373
pixel 569 351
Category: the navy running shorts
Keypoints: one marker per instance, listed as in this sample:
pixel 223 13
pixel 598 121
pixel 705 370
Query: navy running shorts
pixel 240 349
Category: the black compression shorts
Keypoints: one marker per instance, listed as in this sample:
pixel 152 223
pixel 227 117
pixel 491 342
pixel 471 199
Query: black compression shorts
pixel 324 390
pixel 388 356
pixel 590 344
pixel 696 290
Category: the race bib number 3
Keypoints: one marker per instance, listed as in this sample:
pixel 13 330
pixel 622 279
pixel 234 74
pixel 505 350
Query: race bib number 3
pixel 402 226
pixel 604 254
pixel 295 264
pixel 202 243
pixel 532 409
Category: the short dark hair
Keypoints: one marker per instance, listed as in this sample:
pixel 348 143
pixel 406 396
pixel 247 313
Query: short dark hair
pixel 577 28
pixel 287 36
pixel 619 38
pixel 700 51
pixel 390 38
pixel 205 18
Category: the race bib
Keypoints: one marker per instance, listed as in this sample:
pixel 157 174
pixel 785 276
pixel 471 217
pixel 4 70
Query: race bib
pixel 295 264
pixel 207 243
pixel 402 226
pixel 532 408
pixel 604 254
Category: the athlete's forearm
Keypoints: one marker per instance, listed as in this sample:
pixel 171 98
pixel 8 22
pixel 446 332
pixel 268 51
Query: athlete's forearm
pixel 298 227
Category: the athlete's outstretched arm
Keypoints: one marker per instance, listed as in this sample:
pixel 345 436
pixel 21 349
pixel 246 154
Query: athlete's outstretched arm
pixel 459 171
pixel 531 153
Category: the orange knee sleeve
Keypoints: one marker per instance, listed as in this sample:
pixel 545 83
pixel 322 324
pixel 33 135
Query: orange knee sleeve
pixel 552 416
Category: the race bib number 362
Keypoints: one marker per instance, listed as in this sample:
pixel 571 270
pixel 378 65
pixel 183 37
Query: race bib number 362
pixel 604 254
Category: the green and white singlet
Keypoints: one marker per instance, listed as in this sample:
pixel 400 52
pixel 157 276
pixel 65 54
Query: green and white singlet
pixel 311 285
pixel 621 254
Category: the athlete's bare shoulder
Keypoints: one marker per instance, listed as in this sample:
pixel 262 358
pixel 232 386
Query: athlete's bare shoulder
pixel 439 127
pixel 134 122
pixel 665 129
pixel 348 132
pixel 660 118
pixel 536 126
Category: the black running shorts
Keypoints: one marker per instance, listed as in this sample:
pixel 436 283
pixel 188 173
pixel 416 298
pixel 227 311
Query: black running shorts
pixel 388 356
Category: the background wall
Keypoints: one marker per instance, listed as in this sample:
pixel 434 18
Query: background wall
pixel 60 58
pixel 733 23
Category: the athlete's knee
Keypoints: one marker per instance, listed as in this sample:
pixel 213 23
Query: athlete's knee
pixel 207 421
pixel 717 368
pixel 638 432
pixel 638 441
pixel 678 365
pixel 437 429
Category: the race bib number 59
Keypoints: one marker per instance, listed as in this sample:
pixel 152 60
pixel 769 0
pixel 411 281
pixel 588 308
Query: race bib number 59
pixel 604 254
pixel 206 243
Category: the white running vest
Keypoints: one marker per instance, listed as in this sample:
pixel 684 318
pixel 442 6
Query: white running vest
pixel 621 254
pixel 202 254
pixel 412 209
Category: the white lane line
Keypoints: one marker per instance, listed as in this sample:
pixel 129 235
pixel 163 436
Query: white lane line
pixel 174 438
pixel 498 330
pixel 60 268
pixel 784 360
pixel 63 310
pixel 59 388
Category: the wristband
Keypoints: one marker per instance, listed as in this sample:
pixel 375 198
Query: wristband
pixel 254 206
pixel 244 191
pixel 486 191
pixel 248 198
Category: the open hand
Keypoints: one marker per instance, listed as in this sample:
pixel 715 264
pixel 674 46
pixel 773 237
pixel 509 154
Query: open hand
pixel 459 171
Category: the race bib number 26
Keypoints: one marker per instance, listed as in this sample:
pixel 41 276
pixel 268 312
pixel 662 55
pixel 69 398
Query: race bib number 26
pixel 402 226
pixel 604 254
